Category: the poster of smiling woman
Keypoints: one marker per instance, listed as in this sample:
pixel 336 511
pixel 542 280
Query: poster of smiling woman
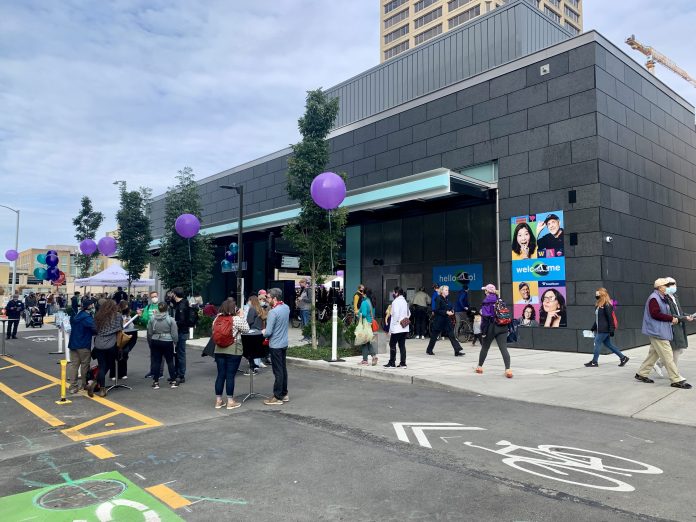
pixel 538 269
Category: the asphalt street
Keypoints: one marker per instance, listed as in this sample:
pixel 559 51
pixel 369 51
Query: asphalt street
pixel 343 448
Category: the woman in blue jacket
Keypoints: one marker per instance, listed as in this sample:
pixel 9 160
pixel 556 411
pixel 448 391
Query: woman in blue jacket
pixel 367 312
pixel 82 329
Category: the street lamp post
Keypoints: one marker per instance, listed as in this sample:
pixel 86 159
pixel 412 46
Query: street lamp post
pixel 240 241
pixel 14 263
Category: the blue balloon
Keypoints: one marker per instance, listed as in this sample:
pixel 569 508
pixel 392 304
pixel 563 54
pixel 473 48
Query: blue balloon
pixel 234 248
pixel 52 260
pixel 52 273
pixel 225 265
pixel 40 274
pixel 51 252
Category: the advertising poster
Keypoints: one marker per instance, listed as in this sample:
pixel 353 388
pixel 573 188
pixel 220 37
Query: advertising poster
pixel 538 270
pixel 455 275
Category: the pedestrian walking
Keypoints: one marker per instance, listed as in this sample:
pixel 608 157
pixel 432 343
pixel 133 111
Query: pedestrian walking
pixel 277 324
pixel 657 325
pixel 108 323
pixel 14 309
pixel 367 312
pixel 491 330
pixel 162 334
pixel 679 341
pixel 442 323
pixel 421 304
pixel 399 322
pixel 603 328
pixel 461 308
pixel 82 329
pixel 304 305
pixel 228 327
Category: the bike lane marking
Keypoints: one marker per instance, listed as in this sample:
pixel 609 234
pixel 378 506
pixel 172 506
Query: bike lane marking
pixel 168 496
pixel 74 433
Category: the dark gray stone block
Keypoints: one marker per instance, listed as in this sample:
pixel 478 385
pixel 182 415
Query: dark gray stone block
pixel 376 146
pixel 413 116
pixel 413 152
pixel 572 83
pixel 516 206
pixel 377 176
pixel 550 112
pixel 625 95
pixel 442 106
pixel 387 125
pixel 508 124
pixel 573 175
pixel 605 82
pixel 458 158
pixel 616 111
pixel 400 138
pixel 342 141
pixel 615 67
pixel 442 143
pixel 490 109
pixel 582 57
pixel 529 140
pixel 584 149
pixel 626 138
pixel 507 83
pixel 400 171
pixel 634 121
pixel 474 134
pixel 562 339
pixel 529 97
pixel 354 153
pixel 583 103
pixel 473 95
pixel 572 129
pixel 584 268
pixel 363 166
pixel 387 159
pixel 529 183
pixel 364 133
pixel 549 157
pixel 456 120
pixel 490 150
pixel 513 165
pixel 607 128
pixel 558 66
pixel 426 164
pixel 426 130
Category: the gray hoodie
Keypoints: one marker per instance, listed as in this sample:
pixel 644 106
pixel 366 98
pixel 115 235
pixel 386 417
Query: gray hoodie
pixel 161 327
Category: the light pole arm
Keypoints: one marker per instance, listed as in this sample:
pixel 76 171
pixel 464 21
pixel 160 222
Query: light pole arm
pixel 14 263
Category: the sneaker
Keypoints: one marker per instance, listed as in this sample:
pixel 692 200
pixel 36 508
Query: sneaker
pixel 232 404
pixel 261 365
pixel 363 363
pixel 173 384
pixel 681 384
pixel 592 364
pixel 113 378
pixel 155 385
pixel 90 388
pixel 181 380
pixel 286 398
pixel 219 404
pixel 375 360
pixel 658 370
pixel 402 365
pixel 125 377
pixel 73 390
pixel 249 372
pixel 390 365
pixel 102 392
pixel 460 353
pixel 272 401
pixel 479 370
pixel 508 374
pixel 148 376
pixel 639 377
pixel 624 360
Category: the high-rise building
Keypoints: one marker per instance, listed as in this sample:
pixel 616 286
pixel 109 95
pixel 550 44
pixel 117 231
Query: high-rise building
pixel 405 24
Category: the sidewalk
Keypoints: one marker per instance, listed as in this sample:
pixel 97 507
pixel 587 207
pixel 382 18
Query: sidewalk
pixel 541 377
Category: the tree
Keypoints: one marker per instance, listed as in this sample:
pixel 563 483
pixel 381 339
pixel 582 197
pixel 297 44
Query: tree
pixel 173 264
pixel 134 236
pixel 314 233
pixel 87 222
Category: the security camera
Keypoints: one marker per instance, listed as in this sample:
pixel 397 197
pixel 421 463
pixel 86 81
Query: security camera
pixel 608 239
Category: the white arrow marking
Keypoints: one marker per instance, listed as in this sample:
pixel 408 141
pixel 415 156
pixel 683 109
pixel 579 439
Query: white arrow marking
pixel 444 439
pixel 419 428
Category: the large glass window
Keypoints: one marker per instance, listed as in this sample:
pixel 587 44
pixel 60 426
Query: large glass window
pixel 393 20
pixel 389 7
pixel 553 16
pixel 397 49
pixel 572 15
pixel 456 4
pixel 427 35
pixel 464 17
pixel 427 18
pixel 398 33
pixel 419 6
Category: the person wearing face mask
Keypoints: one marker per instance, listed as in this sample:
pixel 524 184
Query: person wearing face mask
pixel 14 309
pixel 679 340
pixel 491 330
pixel 657 325
pixel 398 328
pixel 144 316
pixel 442 323
pixel 80 346
pixel 603 328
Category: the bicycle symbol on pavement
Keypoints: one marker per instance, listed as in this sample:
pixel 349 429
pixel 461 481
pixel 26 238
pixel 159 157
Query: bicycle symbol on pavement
pixel 41 338
pixel 581 467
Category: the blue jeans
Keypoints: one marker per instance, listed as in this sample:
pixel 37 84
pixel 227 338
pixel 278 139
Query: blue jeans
pixel 304 315
pixel 227 366
pixel 180 357
pixel 604 338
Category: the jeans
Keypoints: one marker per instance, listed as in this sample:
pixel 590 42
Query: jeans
pixel 105 358
pixel 400 339
pixel 122 357
pixel 367 349
pixel 304 315
pixel 500 334
pixel 280 372
pixel 227 366
pixel 162 349
pixel 181 354
pixel 604 338
pixel 79 358
pixel 12 325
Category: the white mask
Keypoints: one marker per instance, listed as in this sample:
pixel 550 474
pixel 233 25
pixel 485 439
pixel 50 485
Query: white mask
pixel 154 300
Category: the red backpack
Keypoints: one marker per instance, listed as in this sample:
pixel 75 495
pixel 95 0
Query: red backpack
pixel 222 331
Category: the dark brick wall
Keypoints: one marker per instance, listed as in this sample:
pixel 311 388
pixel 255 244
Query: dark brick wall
pixel 593 125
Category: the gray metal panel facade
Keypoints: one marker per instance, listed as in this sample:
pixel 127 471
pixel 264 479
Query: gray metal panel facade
pixel 503 35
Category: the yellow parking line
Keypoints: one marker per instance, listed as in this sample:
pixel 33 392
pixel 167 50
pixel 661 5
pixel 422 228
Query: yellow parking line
pixel 100 452
pixel 36 410
pixel 168 496
pixel 46 376
pixel 24 394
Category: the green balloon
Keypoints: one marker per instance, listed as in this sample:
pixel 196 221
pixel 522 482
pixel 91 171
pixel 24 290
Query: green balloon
pixel 41 258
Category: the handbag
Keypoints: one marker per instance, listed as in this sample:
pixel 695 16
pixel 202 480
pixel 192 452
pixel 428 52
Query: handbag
pixel 122 339
pixel 405 322
pixel 363 333
pixel 375 325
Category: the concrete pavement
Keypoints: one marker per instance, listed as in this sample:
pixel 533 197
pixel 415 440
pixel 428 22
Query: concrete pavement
pixel 540 377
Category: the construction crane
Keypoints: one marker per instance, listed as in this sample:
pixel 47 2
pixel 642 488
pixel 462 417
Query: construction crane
pixel 657 57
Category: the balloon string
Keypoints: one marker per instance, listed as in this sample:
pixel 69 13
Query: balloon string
pixel 190 264
pixel 331 244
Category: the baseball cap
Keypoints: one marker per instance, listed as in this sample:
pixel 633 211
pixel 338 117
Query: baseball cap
pixel 661 281
pixel 490 287
pixel 262 292
pixel 522 285
pixel 551 216
pixel 671 280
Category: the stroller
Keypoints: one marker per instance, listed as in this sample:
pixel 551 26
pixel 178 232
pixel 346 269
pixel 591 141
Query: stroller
pixel 34 318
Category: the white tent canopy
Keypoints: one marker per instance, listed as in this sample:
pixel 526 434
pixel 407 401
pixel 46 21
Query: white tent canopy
pixel 115 276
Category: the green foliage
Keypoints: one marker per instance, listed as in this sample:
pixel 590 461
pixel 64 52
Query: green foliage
pixel 173 264
pixel 322 352
pixel 134 234
pixel 86 223
pixel 345 333
pixel 204 327
pixel 315 233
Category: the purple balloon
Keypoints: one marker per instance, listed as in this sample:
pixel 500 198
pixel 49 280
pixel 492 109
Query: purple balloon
pixel 52 273
pixel 88 247
pixel 187 225
pixel 328 190
pixel 11 255
pixel 52 260
pixel 51 252
pixel 107 245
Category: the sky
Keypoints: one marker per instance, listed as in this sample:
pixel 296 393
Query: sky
pixel 95 92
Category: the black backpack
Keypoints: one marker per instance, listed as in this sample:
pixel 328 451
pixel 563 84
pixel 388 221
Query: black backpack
pixel 192 317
